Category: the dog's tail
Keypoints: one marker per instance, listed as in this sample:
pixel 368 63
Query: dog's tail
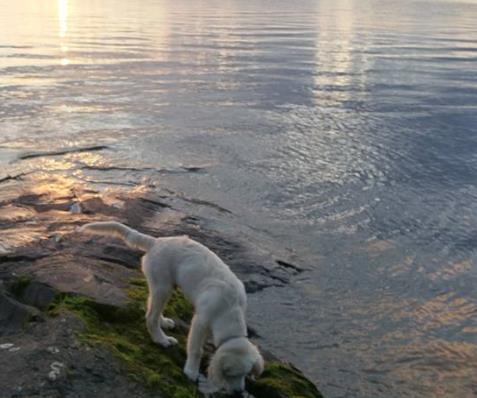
pixel 132 237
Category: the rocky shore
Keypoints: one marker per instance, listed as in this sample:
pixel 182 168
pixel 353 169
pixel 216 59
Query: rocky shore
pixel 72 307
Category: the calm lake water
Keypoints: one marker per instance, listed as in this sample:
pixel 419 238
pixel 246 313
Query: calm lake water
pixel 343 130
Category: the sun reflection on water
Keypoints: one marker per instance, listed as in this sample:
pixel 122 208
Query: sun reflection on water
pixel 63 29
pixel 63 17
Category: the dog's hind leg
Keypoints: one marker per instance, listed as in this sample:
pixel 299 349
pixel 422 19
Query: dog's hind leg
pixel 155 304
pixel 167 323
pixel 160 289
pixel 195 343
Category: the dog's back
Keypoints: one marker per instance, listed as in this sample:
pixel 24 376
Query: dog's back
pixel 194 268
pixel 178 260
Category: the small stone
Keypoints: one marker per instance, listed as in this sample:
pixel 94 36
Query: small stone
pixel 76 208
pixel 14 349
pixel 117 205
pixel 6 346
pixel 55 370
pixel 53 350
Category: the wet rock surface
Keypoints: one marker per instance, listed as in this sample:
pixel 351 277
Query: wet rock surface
pixel 42 257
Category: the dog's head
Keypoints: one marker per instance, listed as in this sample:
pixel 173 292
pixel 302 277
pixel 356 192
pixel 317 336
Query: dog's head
pixel 232 362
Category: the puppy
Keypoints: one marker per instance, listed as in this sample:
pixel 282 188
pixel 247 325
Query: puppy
pixel 218 297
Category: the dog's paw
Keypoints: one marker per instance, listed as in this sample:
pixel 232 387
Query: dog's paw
pixel 167 323
pixel 205 386
pixel 192 374
pixel 168 341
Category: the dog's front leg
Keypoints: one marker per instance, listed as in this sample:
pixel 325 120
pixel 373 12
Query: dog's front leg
pixel 195 343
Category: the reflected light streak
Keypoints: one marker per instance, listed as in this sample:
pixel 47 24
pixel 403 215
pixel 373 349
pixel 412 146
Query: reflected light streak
pixel 63 17
pixel 63 27
pixel 339 66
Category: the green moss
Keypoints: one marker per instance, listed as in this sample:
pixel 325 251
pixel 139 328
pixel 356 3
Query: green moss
pixel 19 285
pixel 123 331
pixel 281 380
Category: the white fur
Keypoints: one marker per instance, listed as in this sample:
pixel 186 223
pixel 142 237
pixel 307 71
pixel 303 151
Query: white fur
pixel 208 283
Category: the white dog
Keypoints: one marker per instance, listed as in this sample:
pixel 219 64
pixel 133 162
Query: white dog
pixel 218 297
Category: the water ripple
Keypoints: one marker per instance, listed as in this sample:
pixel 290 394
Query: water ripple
pixel 346 130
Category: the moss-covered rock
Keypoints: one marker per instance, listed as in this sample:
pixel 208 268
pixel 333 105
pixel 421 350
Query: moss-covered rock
pixel 123 331
pixel 280 380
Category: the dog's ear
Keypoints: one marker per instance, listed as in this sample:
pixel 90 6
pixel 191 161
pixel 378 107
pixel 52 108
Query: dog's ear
pixel 214 371
pixel 258 365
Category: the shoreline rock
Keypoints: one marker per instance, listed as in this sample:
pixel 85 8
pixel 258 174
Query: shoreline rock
pixel 85 298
